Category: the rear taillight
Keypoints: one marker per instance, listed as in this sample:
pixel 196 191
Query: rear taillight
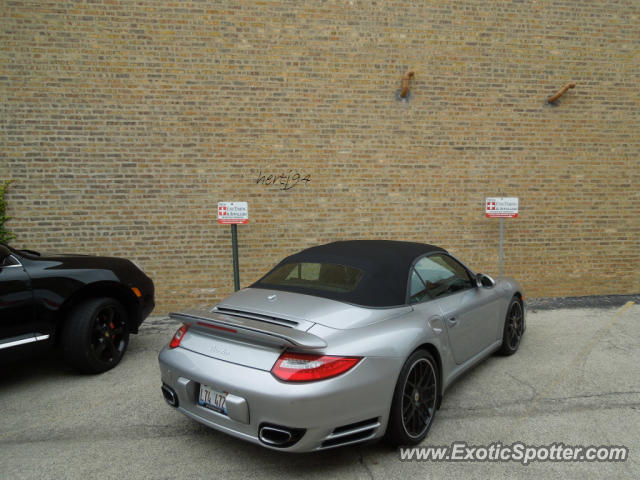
pixel 178 336
pixel 303 367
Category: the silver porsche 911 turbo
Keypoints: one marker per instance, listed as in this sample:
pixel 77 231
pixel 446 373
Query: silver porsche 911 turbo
pixel 340 344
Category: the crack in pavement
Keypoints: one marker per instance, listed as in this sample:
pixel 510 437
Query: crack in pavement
pixel 534 391
pixel 620 400
pixel 364 464
pixel 580 357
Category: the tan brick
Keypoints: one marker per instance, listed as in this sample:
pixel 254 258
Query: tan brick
pixel 124 123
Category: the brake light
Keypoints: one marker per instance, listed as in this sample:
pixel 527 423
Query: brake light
pixel 303 367
pixel 217 327
pixel 178 336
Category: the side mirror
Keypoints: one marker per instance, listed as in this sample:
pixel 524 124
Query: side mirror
pixel 485 281
pixel 4 252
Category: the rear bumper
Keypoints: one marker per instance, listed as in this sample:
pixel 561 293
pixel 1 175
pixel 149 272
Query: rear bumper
pixel 146 303
pixel 326 410
pixel 147 307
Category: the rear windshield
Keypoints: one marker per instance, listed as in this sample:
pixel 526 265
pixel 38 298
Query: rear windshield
pixel 320 276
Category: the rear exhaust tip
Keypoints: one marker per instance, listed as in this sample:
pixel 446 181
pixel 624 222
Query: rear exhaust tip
pixel 170 395
pixel 278 436
pixel 274 436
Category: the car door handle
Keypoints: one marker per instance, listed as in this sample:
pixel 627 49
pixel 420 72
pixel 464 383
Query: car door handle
pixel 452 321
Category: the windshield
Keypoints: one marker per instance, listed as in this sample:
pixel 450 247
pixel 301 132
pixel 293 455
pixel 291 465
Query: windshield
pixel 320 276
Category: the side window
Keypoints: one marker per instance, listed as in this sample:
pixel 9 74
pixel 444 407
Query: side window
pixel 417 290
pixel 435 276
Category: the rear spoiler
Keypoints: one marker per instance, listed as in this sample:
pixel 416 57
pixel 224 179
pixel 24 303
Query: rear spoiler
pixel 251 329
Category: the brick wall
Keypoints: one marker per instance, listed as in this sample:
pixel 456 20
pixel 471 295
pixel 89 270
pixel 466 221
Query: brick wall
pixel 124 123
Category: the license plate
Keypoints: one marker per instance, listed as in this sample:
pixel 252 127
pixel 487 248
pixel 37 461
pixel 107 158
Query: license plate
pixel 213 399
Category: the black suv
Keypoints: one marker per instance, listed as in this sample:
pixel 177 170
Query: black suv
pixel 86 305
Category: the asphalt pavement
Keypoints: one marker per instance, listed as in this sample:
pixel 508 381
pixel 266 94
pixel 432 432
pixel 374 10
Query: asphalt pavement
pixel 575 380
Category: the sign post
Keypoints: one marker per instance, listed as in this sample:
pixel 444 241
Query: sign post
pixel 234 250
pixel 234 213
pixel 501 207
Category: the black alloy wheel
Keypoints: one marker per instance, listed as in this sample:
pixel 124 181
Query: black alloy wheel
pixel 415 400
pixel 419 398
pixel 108 337
pixel 95 335
pixel 513 327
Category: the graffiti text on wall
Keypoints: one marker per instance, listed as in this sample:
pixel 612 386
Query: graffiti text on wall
pixel 283 181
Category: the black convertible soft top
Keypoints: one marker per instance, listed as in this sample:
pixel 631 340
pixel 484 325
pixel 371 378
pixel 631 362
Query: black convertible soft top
pixel 385 264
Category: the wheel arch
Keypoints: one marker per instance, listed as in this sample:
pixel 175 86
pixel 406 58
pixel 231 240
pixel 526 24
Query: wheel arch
pixel 101 289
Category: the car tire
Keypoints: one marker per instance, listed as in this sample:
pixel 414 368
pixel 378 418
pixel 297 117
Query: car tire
pixel 415 400
pixel 95 335
pixel 513 327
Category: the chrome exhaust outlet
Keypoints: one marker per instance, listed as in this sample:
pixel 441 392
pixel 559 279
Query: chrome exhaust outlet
pixel 169 394
pixel 274 436
pixel 280 437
